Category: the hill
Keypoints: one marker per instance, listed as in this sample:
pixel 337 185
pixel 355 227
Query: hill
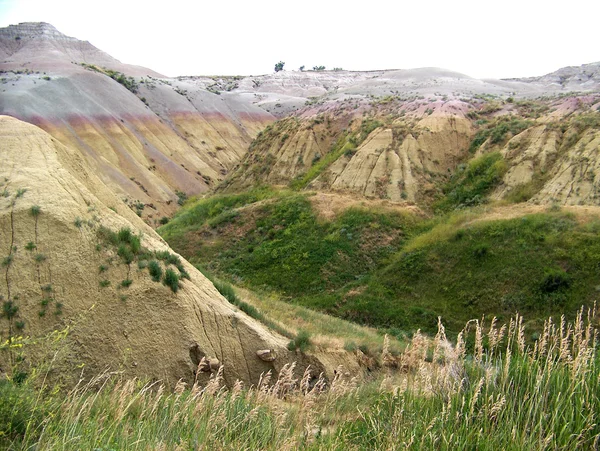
pixel 75 259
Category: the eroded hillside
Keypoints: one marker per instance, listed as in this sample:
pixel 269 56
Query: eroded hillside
pixel 152 140
pixel 74 257
pixel 415 150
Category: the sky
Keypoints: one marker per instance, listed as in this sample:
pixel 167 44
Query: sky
pixel 483 39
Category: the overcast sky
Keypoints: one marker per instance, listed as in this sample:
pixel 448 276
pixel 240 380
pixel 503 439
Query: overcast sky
pixel 509 38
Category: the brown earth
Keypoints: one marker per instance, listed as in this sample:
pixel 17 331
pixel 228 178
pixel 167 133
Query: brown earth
pixel 59 274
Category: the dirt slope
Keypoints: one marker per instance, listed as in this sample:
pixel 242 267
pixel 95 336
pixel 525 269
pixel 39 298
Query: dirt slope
pixel 148 137
pixel 58 271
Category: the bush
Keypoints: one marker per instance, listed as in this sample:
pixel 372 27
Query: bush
pixel 155 270
pixel 124 235
pixel 125 253
pixel 555 280
pixel 181 197
pixel 126 283
pixel 171 280
pixel 19 411
pixel 301 342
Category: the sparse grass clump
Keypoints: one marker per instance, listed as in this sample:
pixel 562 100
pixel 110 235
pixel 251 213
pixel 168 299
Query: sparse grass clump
pixel 126 283
pixel 35 210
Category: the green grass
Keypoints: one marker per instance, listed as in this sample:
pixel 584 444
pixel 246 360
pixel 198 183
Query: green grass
pixel 171 279
pixel 155 270
pixel 498 131
pixel 290 250
pixel 471 183
pixel 396 272
pixel 301 342
pixel 198 211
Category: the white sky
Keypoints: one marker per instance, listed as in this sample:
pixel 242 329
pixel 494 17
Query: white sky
pixel 483 39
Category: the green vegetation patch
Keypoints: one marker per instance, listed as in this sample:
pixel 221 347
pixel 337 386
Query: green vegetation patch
pixel 498 131
pixel 472 182
pixel 129 249
pixel 399 273
pixel 539 265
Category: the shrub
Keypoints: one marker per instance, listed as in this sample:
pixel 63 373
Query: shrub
pixel 555 280
pixel 301 342
pixel 125 253
pixel 35 210
pixel 9 309
pixel 171 280
pixel 39 258
pixel 78 222
pixel 126 283
pixel 104 283
pixel 20 410
pixel 155 270
pixel 181 197
pixel 30 246
pixel 124 235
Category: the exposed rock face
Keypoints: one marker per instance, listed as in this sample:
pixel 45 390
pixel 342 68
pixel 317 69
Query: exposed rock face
pixel 573 78
pixel 58 272
pixel 400 160
pixel 560 167
pixel 148 137
pixel 42 47
pixel 151 138
pixel 402 167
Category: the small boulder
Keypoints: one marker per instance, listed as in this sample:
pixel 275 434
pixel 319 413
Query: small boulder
pixel 266 355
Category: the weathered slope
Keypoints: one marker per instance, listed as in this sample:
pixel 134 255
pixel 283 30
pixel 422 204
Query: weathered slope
pixel 390 156
pixel 410 149
pixel 50 272
pixel 149 138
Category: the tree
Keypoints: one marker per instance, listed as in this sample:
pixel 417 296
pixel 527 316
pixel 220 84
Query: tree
pixel 319 68
pixel 279 66
pixel 301 68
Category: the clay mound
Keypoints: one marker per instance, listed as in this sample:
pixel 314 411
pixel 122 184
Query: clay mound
pixel 149 138
pixel 59 268
pixel 42 45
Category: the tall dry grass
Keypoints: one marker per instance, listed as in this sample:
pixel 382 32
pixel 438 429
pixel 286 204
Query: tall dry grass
pixel 488 390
